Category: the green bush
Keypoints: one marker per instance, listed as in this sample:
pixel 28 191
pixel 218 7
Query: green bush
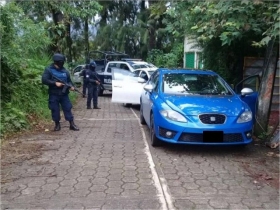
pixel 12 119
pixel 23 59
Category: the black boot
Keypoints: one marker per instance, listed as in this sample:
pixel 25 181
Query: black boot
pixel 57 126
pixel 73 126
pixel 96 107
pixel 88 107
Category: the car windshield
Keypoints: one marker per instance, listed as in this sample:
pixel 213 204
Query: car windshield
pixel 150 65
pixel 139 66
pixel 151 72
pixel 143 66
pixel 194 84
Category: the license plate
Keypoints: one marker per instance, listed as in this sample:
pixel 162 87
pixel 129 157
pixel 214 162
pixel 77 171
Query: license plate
pixel 213 136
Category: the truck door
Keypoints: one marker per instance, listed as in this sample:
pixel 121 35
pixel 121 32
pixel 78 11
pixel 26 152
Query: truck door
pixel 107 76
pixel 126 87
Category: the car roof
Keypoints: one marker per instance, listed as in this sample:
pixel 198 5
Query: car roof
pixel 189 71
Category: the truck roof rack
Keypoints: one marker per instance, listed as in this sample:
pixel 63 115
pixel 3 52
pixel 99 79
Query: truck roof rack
pixel 131 59
pixel 102 57
pixel 105 54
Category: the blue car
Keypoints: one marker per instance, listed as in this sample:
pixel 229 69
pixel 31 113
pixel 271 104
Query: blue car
pixel 194 107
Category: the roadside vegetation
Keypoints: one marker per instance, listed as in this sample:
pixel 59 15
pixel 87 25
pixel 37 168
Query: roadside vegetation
pixel 31 31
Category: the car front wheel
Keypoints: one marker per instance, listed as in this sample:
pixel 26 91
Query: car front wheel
pixel 154 140
pixel 142 120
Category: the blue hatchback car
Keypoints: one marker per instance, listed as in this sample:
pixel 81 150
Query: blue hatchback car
pixel 196 107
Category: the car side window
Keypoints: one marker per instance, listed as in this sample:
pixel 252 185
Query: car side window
pixel 154 80
pixel 252 82
pixel 156 83
pixel 151 80
pixel 78 69
pixel 137 72
pixel 144 75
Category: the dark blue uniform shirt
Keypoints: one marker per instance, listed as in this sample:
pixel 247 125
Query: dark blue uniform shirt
pixel 47 79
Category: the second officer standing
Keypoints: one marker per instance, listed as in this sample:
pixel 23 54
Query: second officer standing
pixel 93 83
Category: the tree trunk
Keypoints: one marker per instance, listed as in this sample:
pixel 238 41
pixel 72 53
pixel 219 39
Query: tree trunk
pixel 152 31
pixel 86 40
pixel 69 41
pixel 266 88
pixel 57 17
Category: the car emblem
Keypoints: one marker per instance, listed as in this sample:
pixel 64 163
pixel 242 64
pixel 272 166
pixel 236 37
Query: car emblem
pixel 212 119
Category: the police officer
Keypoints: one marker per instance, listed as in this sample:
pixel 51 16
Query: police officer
pixel 93 82
pixel 57 96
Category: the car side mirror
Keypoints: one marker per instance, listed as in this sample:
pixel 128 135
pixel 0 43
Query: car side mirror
pixel 141 80
pixel 246 91
pixel 148 88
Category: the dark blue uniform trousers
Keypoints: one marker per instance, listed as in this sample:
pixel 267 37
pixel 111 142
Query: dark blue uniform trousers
pixel 84 87
pixel 54 105
pixel 92 95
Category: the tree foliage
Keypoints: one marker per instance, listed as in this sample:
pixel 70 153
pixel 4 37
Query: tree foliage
pixel 227 31
pixel 256 21
pixel 23 45
pixel 64 18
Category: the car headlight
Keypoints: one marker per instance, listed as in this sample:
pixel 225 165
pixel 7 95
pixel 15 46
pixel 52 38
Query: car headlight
pixel 245 117
pixel 172 115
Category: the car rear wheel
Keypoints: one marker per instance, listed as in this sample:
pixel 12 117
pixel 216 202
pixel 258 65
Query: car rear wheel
pixel 154 140
pixel 142 120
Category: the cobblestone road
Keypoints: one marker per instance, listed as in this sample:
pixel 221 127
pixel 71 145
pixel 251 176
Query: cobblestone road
pixel 109 164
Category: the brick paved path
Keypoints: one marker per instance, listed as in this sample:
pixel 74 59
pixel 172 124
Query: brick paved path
pixel 108 165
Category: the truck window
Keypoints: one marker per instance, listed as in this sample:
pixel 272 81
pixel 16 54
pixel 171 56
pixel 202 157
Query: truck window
pixel 124 66
pixel 110 66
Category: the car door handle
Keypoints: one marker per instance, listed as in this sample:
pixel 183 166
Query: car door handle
pixel 118 86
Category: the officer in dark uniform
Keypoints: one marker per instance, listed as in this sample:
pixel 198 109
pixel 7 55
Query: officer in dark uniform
pixel 57 96
pixel 93 82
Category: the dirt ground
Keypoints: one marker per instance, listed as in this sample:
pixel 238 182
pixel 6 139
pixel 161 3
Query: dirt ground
pixel 262 163
pixel 259 160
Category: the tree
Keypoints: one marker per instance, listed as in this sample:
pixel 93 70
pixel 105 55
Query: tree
pixel 60 16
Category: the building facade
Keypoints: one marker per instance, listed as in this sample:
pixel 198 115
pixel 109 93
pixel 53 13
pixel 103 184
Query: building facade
pixel 192 54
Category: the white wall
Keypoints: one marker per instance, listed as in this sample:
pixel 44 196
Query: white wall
pixel 190 46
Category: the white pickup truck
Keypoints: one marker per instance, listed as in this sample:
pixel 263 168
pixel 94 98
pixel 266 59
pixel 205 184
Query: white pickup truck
pixel 141 68
pixel 128 64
